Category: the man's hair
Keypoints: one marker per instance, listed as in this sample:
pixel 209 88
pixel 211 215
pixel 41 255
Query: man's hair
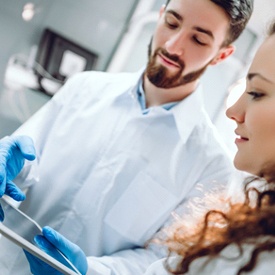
pixel 239 12
pixel 271 30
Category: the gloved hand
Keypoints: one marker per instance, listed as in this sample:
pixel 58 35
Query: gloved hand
pixel 13 152
pixel 73 253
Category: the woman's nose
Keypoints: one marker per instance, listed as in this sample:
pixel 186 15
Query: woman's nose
pixel 237 111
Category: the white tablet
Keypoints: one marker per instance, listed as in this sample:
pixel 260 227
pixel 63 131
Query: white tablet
pixel 20 229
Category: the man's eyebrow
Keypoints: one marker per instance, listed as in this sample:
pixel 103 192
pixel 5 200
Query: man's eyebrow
pixel 252 75
pixel 178 16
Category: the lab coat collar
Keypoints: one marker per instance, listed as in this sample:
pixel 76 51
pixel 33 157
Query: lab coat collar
pixel 189 112
pixel 135 80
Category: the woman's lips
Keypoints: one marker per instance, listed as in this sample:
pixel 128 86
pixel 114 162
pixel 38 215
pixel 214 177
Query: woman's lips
pixel 241 139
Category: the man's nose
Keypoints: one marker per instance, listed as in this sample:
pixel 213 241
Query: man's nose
pixel 175 44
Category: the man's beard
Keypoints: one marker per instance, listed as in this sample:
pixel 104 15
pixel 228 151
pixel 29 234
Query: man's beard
pixel 160 76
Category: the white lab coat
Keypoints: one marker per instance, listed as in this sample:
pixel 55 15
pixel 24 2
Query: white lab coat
pixel 229 264
pixel 107 177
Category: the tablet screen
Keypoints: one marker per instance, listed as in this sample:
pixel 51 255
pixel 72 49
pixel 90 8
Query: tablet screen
pixel 21 229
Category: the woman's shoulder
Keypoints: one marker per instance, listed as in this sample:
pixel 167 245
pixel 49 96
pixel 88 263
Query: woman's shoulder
pixel 265 264
pixel 216 266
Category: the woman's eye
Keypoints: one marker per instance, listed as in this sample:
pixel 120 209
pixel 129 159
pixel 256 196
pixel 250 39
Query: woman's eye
pixel 255 95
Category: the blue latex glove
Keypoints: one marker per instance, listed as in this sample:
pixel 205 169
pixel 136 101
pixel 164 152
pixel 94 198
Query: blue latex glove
pixel 73 253
pixel 13 152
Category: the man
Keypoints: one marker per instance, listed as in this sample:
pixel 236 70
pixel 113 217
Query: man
pixel 116 153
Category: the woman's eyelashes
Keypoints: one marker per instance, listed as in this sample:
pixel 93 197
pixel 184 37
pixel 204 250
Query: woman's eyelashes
pixel 255 95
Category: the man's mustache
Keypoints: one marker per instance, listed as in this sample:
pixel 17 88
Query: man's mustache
pixel 172 57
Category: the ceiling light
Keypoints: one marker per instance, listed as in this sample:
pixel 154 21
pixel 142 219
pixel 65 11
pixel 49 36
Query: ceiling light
pixel 28 11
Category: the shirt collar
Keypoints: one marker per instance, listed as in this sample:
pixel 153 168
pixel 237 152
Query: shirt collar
pixel 142 100
pixel 189 112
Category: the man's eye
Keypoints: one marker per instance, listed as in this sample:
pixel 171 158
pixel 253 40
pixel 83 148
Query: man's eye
pixel 172 26
pixel 255 95
pixel 199 41
pixel 171 23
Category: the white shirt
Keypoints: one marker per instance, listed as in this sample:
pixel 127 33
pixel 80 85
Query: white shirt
pixel 229 264
pixel 107 176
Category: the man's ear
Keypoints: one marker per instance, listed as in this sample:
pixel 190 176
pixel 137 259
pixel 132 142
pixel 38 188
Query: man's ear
pixel 162 9
pixel 223 54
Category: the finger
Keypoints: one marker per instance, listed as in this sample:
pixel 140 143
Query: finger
pixel 38 267
pixel 56 239
pixel 59 241
pixel 71 251
pixel 31 258
pixel 14 191
pixel 3 177
pixel 43 243
pixel 26 146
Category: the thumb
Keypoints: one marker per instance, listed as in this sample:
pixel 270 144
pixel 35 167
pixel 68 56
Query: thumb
pixel 58 240
pixel 26 146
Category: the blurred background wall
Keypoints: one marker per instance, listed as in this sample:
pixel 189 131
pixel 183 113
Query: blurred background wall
pixel 118 31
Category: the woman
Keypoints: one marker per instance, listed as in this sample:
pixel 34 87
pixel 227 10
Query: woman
pixel 240 238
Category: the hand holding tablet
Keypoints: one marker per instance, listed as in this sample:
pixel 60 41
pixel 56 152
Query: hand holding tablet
pixel 21 229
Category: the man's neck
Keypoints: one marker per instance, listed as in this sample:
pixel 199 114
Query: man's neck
pixel 158 96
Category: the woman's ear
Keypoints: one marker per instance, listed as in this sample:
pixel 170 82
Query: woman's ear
pixel 223 54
